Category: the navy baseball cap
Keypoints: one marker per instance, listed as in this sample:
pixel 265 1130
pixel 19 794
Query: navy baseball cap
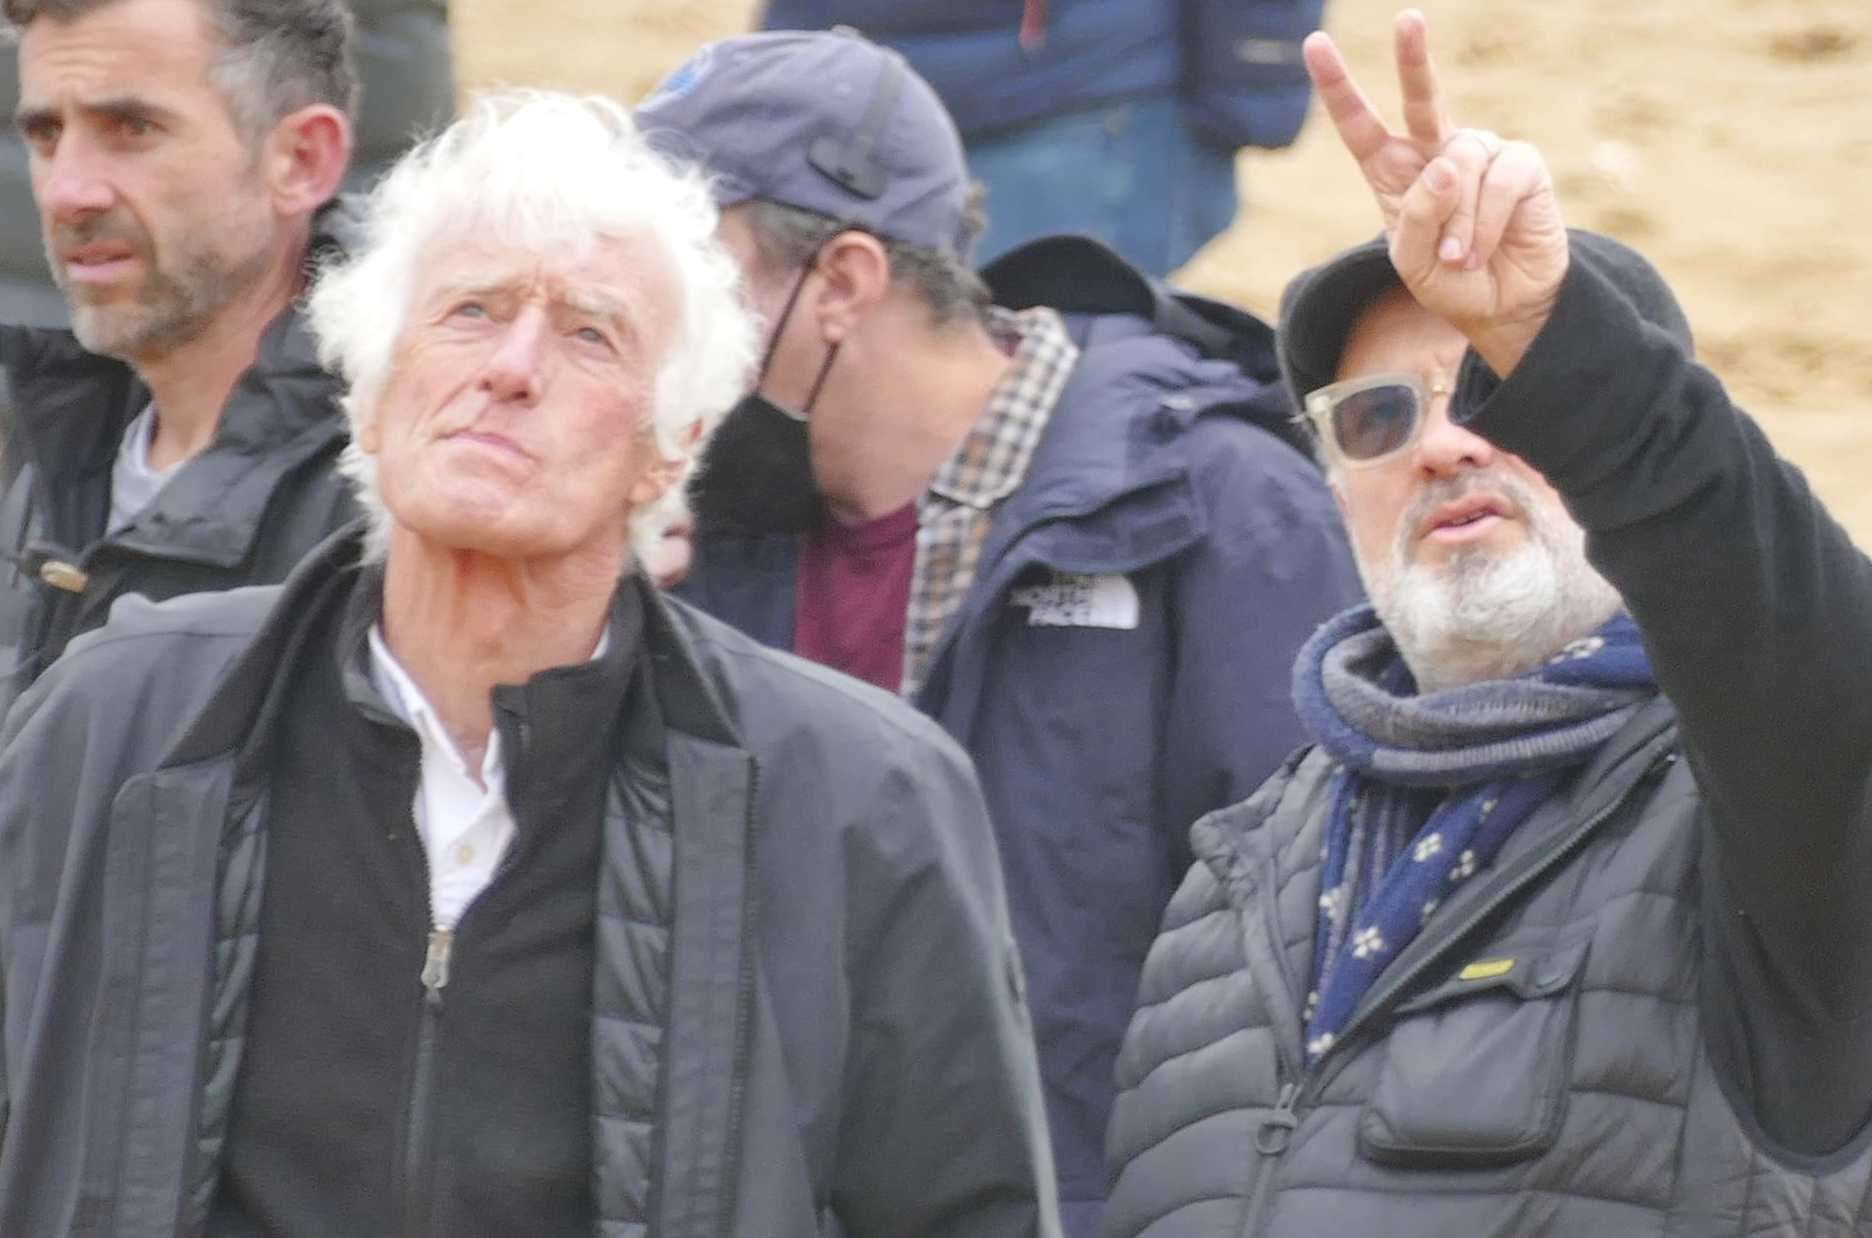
pixel 823 121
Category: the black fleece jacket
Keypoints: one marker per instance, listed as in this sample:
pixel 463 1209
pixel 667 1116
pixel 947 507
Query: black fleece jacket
pixel 1757 611
pixel 369 1102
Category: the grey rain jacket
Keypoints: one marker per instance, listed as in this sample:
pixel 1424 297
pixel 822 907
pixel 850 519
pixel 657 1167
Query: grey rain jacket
pixel 1652 1015
pixel 242 512
pixel 846 1051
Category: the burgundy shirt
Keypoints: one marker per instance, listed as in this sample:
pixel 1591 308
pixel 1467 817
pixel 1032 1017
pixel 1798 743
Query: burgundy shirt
pixel 854 593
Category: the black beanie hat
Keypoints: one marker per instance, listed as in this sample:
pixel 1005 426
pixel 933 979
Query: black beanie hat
pixel 1320 304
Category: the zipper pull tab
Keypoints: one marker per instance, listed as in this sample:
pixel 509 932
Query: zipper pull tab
pixel 435 970
pixel 1277 1128
pixel 62 575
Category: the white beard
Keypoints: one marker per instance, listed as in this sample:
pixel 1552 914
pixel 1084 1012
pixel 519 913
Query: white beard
pixel 1484 613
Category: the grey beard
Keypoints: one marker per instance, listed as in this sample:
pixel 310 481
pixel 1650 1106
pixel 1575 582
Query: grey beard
pixel 1485 615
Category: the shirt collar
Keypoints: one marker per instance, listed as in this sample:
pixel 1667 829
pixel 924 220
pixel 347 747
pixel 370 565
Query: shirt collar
pixel 406 701
pixel 991 462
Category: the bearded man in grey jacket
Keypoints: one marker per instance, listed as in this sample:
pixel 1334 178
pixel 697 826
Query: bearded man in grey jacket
pixel 464 885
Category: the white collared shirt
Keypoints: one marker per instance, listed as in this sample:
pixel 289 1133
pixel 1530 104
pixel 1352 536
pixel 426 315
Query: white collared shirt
pixel 465 826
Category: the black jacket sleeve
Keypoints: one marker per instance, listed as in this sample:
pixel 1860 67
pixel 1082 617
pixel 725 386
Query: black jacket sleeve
pixel 945 1135
pixel 1757 612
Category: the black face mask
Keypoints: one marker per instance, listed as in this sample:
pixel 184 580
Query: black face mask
pixel 757 475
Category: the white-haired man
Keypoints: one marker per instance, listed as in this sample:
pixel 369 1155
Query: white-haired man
pixel 1561 927
pixel 486 894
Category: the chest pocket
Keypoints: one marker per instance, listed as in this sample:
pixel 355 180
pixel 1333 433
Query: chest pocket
pixel 1476 1068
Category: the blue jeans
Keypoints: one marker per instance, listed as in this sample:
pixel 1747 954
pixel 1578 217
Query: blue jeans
pixel 1129 172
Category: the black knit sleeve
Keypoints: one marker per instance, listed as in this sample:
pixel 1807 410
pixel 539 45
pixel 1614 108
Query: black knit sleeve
pixel 1757 611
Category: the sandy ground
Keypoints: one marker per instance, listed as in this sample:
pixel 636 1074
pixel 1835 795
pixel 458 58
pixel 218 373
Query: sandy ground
pixel 1730 140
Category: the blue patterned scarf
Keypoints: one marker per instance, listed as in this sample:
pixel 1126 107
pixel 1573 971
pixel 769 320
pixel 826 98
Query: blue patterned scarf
pixel 1430 785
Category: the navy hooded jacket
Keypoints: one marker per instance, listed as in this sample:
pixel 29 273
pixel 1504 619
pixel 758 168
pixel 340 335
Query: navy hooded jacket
pixel 1102 733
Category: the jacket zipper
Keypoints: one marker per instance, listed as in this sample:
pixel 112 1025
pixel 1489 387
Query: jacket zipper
pixel 435 973
pixel 438 952
pixel 1272 1140
pixel 1275 1134
pixel 737 1085
pixel 434 977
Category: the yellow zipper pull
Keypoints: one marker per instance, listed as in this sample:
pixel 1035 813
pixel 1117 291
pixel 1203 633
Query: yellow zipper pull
pixel 62 575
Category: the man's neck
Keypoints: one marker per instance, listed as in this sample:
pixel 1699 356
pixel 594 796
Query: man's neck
pixel 939 388
pixel 190 384
pixel 460 623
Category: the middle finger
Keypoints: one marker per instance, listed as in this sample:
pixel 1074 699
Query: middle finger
pixel 1423 108
pixel 1469 153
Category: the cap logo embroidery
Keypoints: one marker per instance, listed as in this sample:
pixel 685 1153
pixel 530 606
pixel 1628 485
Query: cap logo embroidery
pixel 686 78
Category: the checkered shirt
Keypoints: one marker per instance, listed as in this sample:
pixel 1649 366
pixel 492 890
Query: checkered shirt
pixel 956 511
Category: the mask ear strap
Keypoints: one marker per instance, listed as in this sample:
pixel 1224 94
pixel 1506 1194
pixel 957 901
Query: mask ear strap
pixel 786 312
pixel 812 396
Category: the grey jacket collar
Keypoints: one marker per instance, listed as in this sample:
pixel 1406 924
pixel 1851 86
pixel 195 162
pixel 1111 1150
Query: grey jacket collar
pixel 241 712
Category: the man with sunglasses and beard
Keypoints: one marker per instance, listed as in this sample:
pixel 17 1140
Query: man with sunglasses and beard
pixel 1560 927
pixel 1087 563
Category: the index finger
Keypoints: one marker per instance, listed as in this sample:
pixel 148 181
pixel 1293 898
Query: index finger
pixel 1423 110
pixel 1360 128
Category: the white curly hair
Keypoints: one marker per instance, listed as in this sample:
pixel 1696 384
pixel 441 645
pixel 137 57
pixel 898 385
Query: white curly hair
pixel 546 173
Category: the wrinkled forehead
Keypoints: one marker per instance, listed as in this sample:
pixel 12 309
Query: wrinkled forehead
pixel 157 52
pixel 630 278
pixel 1394 334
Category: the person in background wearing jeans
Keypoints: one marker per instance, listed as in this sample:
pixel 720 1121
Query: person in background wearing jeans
pixel 1117 118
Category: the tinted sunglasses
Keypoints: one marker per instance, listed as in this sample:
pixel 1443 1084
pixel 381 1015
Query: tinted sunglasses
pixel 1368 420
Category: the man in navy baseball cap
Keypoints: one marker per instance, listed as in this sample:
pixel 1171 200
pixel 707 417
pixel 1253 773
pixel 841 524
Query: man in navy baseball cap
pixel 1074 549
pixel 829 123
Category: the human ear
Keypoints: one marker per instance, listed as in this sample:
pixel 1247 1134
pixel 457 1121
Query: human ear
pixel 856 275
pixel 364 432
pixel 662 472
pixel 305 158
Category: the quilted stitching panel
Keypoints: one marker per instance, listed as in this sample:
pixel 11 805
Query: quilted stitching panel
pixel 630 997
pixel 1642 1104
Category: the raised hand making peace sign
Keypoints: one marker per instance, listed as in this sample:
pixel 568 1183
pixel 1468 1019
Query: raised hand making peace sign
pixel 1475 229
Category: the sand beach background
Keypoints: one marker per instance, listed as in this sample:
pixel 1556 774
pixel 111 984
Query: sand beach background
pixel 1730 140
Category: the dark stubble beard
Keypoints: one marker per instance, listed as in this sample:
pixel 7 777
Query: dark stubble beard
pixel 177 302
